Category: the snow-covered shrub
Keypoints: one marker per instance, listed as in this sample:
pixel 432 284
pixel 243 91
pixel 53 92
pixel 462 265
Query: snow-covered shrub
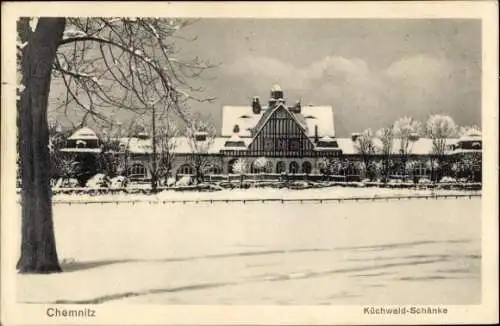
pixel 66 183
pixel 261 164
pixel 99 180
pixel 170 182
pixel 118 182
pixel 323 165
pixel 240 166
pixel 184 181
pixel 448 180
pixel 424 181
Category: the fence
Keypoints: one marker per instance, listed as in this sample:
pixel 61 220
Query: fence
pixel 276 200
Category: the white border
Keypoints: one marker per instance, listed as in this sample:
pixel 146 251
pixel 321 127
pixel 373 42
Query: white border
pixel 14 313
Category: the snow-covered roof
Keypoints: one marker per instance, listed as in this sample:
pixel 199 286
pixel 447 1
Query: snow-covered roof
pixel 422 146
pixel 311 116
pixel 470 137
pixel 81 150
pixel 181 145
pixel 326 139
pixel 276 88
pixel 84 134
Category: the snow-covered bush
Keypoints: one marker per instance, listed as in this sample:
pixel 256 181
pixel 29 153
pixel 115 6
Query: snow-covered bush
pixel 240 166
pixel 261 164
pixel 448 180
pixel 424 181
pixel 66 183
pixel 323 165
pixel 118 182
pixel 184 181
pixel 99 180
pixel 170 182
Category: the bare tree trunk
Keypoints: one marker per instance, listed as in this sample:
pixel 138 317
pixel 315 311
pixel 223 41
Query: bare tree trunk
pixel 38 248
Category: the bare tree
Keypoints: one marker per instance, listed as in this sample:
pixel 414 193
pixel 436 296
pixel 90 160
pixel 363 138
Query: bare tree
pixel 200 135
pixel 166 132
pixel 104 63
pixel 365 146
pixel 386 137
pixel 38 48
pixel 323 166
pixel 240 167
pixel 440 128
pixel 407 130
pixel 469 130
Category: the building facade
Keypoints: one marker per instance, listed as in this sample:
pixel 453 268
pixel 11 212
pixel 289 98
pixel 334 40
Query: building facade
pixel 292 139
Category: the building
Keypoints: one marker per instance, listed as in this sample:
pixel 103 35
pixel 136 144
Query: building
pixel 292 138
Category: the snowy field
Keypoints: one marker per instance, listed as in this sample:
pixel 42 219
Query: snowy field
pixel 406 252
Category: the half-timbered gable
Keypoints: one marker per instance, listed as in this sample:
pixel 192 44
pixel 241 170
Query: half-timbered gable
pixel 280 134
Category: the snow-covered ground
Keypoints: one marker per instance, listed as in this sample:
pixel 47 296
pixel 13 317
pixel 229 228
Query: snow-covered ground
pixel 259 193
pixel 410 251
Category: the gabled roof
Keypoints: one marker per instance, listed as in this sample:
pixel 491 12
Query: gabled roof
pixel 310 116
pixel 269 113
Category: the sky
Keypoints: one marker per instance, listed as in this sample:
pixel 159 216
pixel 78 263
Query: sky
pixel 371 71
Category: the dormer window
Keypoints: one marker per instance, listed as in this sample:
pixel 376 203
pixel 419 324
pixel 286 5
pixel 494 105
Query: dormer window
pixel 245 116
pixel 236 129
pixel 81 144
pixel 200 136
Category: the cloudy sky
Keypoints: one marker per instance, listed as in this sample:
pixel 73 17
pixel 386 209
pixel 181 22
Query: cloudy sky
pixel 371 71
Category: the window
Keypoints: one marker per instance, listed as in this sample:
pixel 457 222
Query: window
pixel 230 165
pixel 280 167
pixel 81 144
pixel 420 169
pixel 282 145
pixel 185 169
pixel 137 170
pixel 476 145
pixel 268 144
pixel 306 167
pixel 294 145
pixel 213 169
pixel 294 167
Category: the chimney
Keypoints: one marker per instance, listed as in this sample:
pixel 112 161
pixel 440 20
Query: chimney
pixel 316 137
pixel 256 108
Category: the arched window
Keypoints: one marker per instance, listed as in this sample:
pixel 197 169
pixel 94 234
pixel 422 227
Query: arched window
pixel 253 168
pixel 81 144
pixel 185 169
pixel 280 167
pixel 230 165
pixel 213 169
pixel 293 167
pixel 306 167
pixel 137 170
